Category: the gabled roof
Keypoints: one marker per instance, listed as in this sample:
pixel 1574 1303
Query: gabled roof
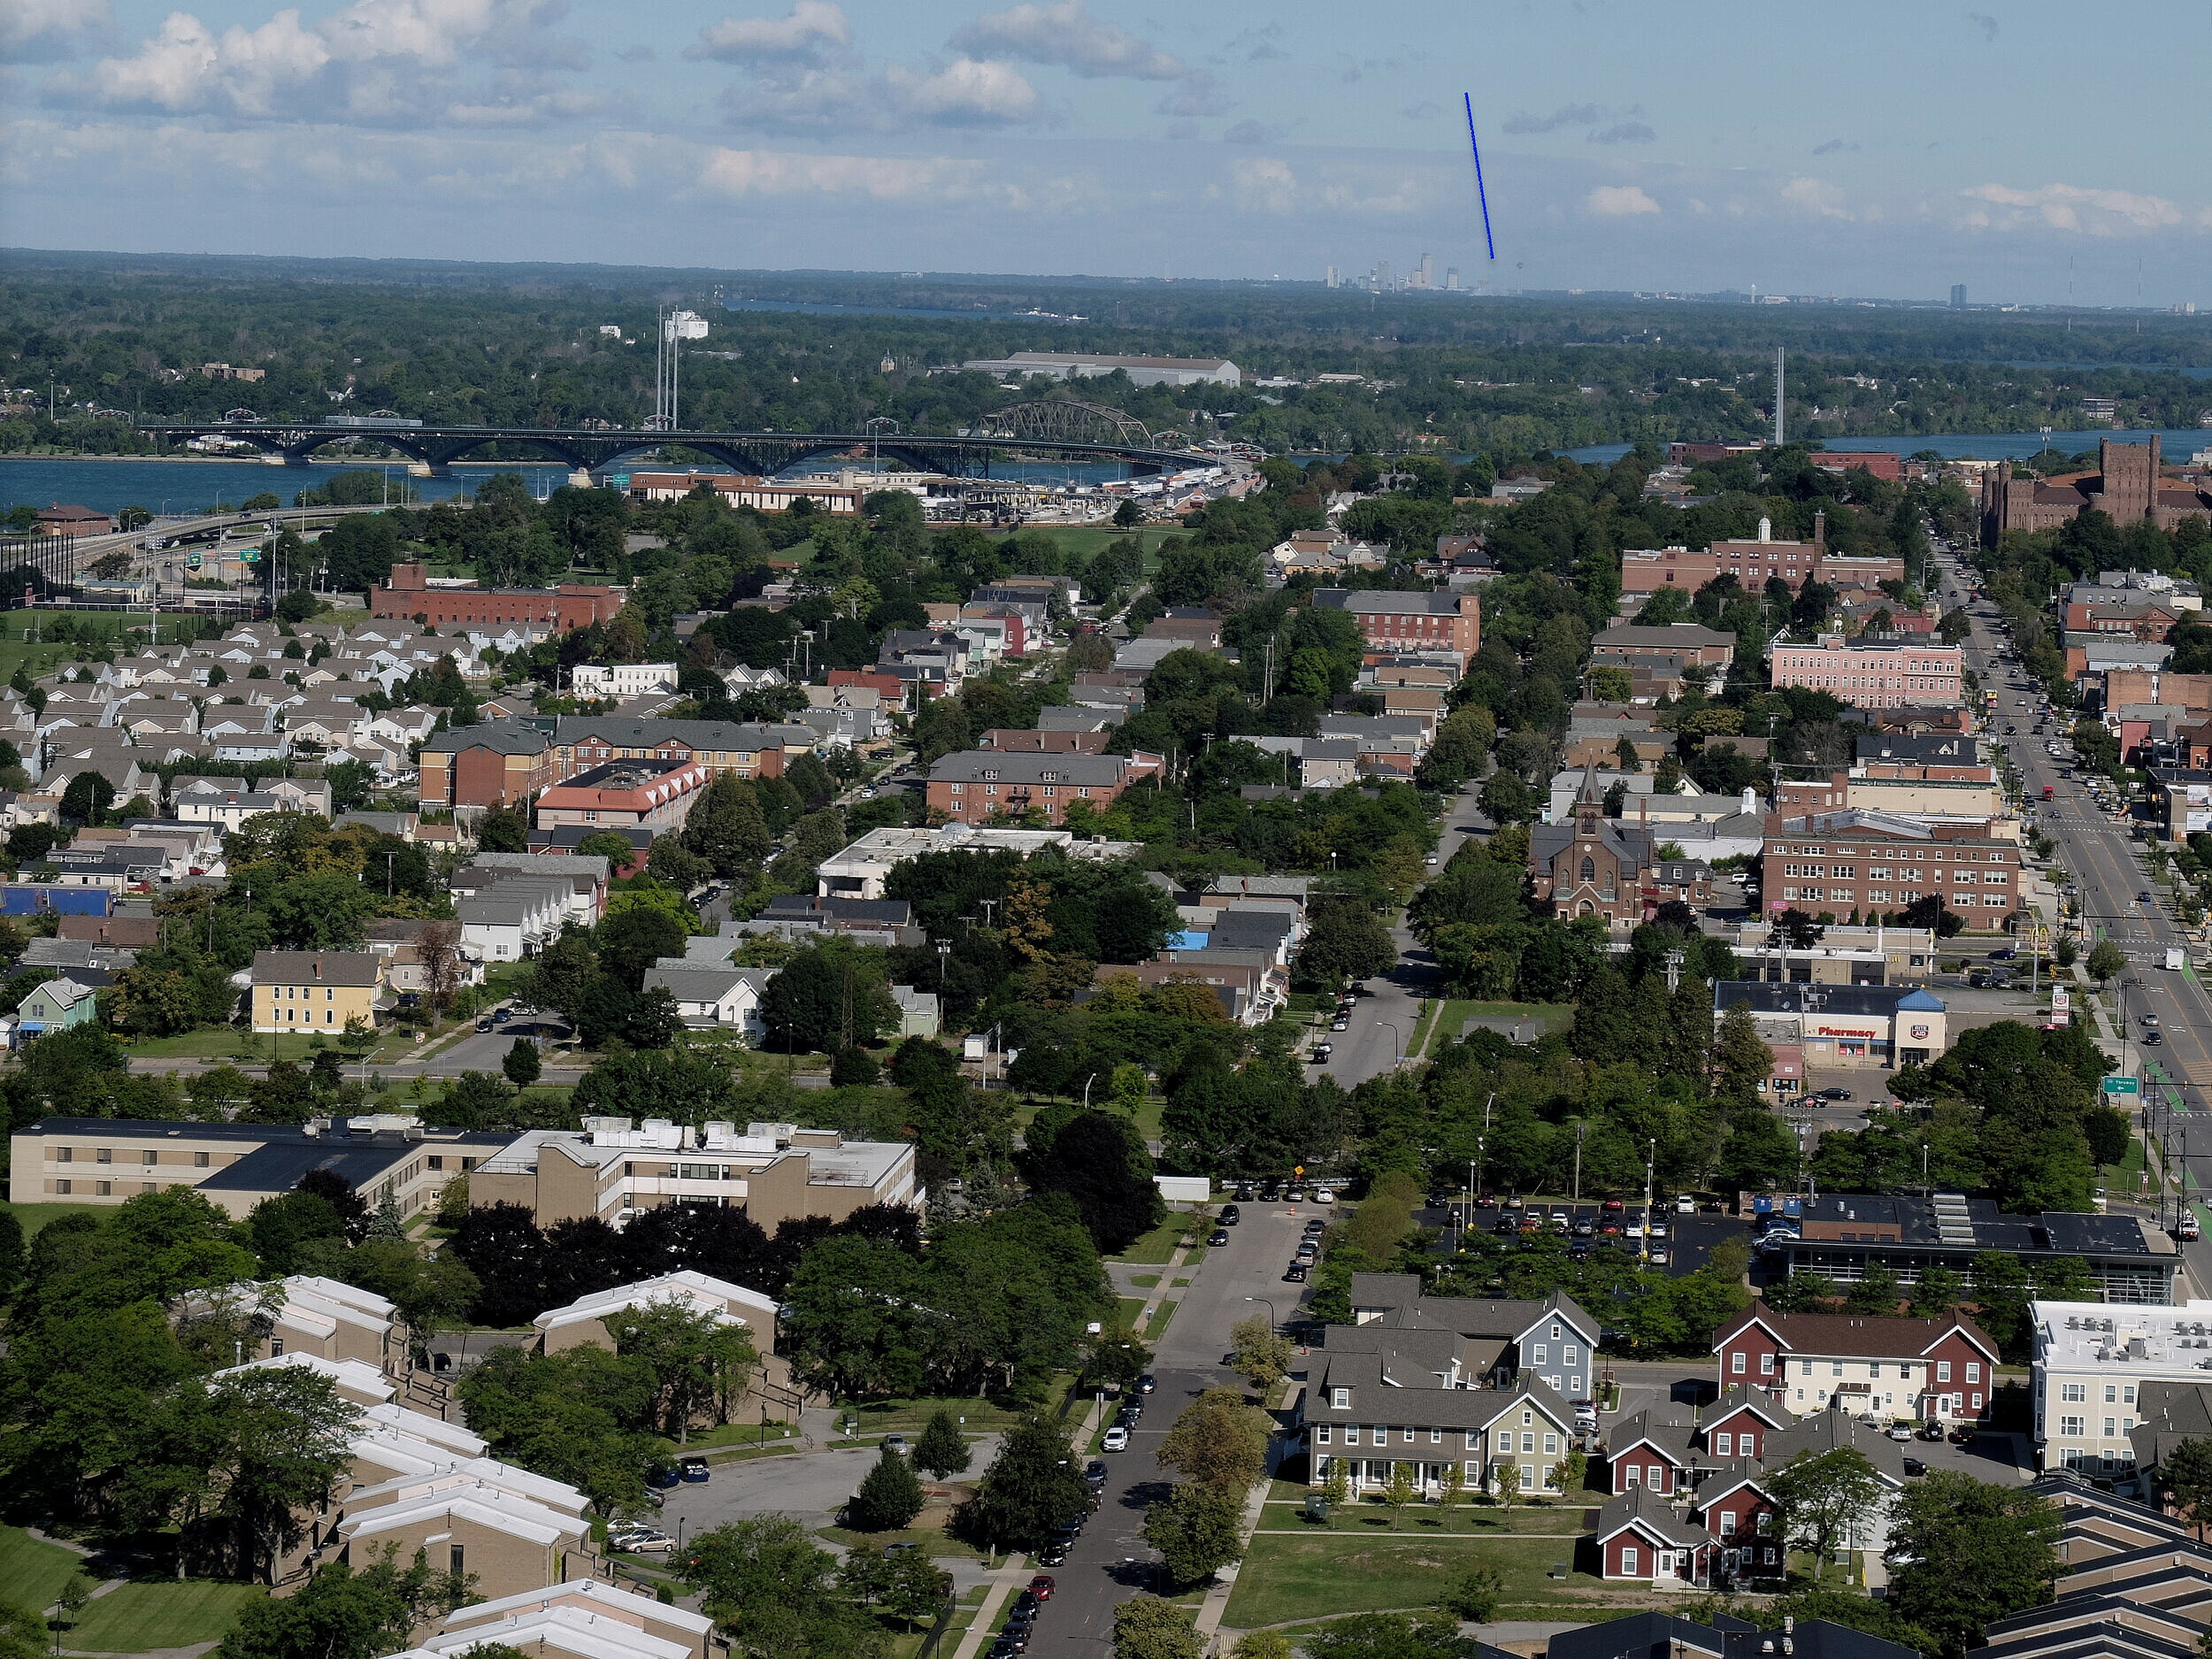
pixel 1743 1397
pixel 1645 1511
pixel 1671 1440
pixel 1855 1335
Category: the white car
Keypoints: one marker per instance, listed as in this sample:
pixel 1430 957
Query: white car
pixel 1686 1205
pixel 640 1541
pixel 1323 1195
pixel 1115 1439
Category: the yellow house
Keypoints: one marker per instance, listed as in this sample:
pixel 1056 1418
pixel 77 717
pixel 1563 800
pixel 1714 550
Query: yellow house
pixel 296 990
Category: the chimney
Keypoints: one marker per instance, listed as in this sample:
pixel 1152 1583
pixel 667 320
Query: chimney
pixel 1820 527
pixel 1766 529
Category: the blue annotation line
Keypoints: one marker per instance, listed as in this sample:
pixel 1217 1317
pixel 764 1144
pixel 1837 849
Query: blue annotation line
pixel 1481 195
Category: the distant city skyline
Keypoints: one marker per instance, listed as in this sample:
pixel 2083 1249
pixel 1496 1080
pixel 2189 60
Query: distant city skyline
pixel 2029 153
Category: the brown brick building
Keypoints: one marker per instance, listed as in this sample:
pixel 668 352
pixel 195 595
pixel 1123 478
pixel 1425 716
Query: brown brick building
pixel 1878 863
pixel 407 592
pixel 1753 563
pixel 483 767
pixel 748 749
pixel 1600 866
pixel 2127 486
pixel 980 783
pixel 1398 622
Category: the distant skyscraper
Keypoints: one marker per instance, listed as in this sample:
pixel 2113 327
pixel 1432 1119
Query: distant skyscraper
pixel 1958 296
pixel 1382 274
pixel 1334 278
pixel 1425 273
pixel 1451 279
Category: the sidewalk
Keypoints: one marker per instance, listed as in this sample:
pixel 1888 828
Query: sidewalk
pixel 983 1626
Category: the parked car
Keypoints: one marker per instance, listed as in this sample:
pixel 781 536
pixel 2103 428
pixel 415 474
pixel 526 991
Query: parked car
pixel 1243 1194
pixel 1914 1466
pixel 693 1471
pixel 1115 1439
pixel 1146 1382
pixel 1963 1435
pixel 1834 1093
pixel 1323 1195
pixel 1219 1235
pixel 1052 1554
pixel 665 1476
pixel 1296 1274
pixel 1339 1023
pixel 1294 1195
pixel 501 1016
pixel 1929 1431
pixel 483 1025
pixel 1042 1586
pixel 1316 1226
pixel 1094 1472
pixel 1685 1204
pixel 896 1443
pixel 1659 1257
pixel 1585 1228
pixel 1899 1431
pixel 1230 1216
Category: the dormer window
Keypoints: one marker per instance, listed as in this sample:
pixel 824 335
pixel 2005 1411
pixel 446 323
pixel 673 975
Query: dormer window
pixel 1341 1399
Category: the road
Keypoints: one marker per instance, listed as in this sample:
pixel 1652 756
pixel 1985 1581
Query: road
pixel 2100 855
pixel 1079 1621
pixel 1382 1020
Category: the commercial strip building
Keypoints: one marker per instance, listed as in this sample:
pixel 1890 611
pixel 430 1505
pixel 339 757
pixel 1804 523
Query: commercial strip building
pixel 1869 676
pixel 740 489
pixel 1840 1236
pixel 1869 1026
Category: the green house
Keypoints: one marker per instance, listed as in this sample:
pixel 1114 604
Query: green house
pixel 56 1005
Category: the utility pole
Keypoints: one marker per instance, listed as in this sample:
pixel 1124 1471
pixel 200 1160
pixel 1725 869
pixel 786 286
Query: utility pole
pixel 1778 397
pixel 1651 1164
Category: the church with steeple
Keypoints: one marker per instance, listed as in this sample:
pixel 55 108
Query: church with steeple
pixel 1596 865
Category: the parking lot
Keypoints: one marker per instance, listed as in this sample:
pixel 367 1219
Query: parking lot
pixel 1684 1241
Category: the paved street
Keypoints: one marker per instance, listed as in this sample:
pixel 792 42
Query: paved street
pixel 1079 1621
pixel 1382 1021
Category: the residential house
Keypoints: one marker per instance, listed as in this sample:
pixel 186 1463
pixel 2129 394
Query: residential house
pixel 1640 1537
pixel 323 989
pixel 1555 1340
pixel 1921 1370
pixel 58 1004
pixel 712 996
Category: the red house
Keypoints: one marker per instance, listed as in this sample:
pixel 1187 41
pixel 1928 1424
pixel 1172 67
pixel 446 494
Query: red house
pixel 1926 1369
pixel 1735 1510
pixel 1648 1455
pixel 1740 1421
pixel 1641 1538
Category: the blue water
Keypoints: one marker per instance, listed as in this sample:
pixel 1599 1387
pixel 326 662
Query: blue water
pixel 2174 444
pixel 189 486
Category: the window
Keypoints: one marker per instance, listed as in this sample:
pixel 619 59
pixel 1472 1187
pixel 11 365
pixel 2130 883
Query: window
pixel 104 1188
pixel 1628 1559
pixel 2072 1391
pixel 1727 1522
pixel 1536 1355
pixel 1766 1365
pixel 1747 1445
pixel 1339 1398
pixel 1505 1440
pixel 2070 1425
pixel 2127 1390
pixel 454 1555
pixel 61 1155
pixel 2108 1426
pixel 1528 1442
pixel 1874 1370
pixel 105 1154
pixel 1943 1370
pixel 199 1160
pixel 2111 1397
pixel 1406 1435
pixel 1567 1354
pixel 1723 1443
pixel 1436 1437
pixel 1589 869
pixel 1737 1363
pixel 149 1156
pixel 1351 1433
pixel 1551 1446
pixel 1835 1368
pixel 1474 1440
pixel 1321 1434
pixel 1635 1474
pixel 61 1187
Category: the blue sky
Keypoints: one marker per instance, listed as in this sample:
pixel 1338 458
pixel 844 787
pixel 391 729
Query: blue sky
pixel 1873 148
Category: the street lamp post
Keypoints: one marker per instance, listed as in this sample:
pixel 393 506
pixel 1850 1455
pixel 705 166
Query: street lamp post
pixel 1267 1303
pixel 1397 1041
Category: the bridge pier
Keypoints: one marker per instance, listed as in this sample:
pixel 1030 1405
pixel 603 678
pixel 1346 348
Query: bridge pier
pixel 280 458
pixel 582 478
pixel 429 469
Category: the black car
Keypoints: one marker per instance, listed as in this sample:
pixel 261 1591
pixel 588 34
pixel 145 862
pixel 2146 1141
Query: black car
pixel 1014 1638
pixel 1026 1605
pixel 1230 1216
pixel 1914 1466
pixel 1146 1383
pixel 1929 1431
pixel 1052 1554
pixel 1294 1274
pixel 1961 1436
pixel 1094 1472
pixel 1316 1226
pixel 2153 1037
pixel 1835 1093
pixel 1505 1223
pixel 1270 1193
pixel 2144 897
pixel 1244 1195
pixel 1220 1236
pixel 1003 1648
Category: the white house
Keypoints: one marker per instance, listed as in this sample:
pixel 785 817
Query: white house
pixel 622 680
pixel 712 995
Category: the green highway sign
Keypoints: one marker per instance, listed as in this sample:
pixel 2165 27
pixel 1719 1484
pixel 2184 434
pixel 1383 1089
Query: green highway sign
pixel 2120 1085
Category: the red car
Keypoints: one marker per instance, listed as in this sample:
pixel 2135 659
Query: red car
pixel 1042 1586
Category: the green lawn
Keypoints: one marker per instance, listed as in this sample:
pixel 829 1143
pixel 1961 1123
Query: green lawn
pixel 32 1573
pixel 1154 1248
pixel 1426 1520
pixel 35 1217
pixel 933 1540
pixel 1287 1578
pixel 910 1417
pixel 159 1613
pixel 1159 1323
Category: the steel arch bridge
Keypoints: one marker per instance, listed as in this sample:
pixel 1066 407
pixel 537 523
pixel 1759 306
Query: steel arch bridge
pixel 433 449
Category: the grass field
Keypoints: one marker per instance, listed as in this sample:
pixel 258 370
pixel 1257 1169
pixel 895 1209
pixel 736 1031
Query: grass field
pixel 159 1613
pixel 34 1217
pixel 1419 1520
pixel 1290 1579
pixel 933 1540
pixel 1156 1247
pixel 1158 1322
pixel 32 1573
pixel 909 1418
pixel 19 650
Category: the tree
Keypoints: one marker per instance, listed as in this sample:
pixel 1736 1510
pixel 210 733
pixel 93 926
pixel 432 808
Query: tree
pixel 1262 1354
pixel 1473 1595
pixel 2105 960
pixel 522 1065
pixel 632 939
pixel 1506 1477
pixel 1742 1063
pixel 1348 942
pixel 1146 1627
pixel 1452 1491
pixel 1506 798
pixel 11 1254
pixel 827 996
pixel 348 1612
pixel 1195 1528
pixel 1400 1490
pixel 277 1442
pixel 889 1498
pixel 1032 1487
pixel 773 1590
pixel 2186 1473
pixel 942 1449
pixel 698 1364
pixel 1966 1555
pixel 1099 1160
pixel 1824 1498
pixel 500 831
pixel 1388 1636
pixel 1218 1441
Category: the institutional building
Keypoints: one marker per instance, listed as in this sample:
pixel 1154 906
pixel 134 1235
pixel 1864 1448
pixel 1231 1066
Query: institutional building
pixel 1395 623
pixel 980 784
pixel 1755 563
pixel 1869 676
pixel 1077 365
pixel 1603 866
pixel 743 490
pixel 2091 1360
pixel 862 869
pixel 408 592
pixel 2126 486
pixel 497 766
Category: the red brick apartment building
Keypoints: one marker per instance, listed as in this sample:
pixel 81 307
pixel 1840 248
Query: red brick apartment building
pixel 748 749
pixel 655 795
pixel 978 783
pixel 1870 676
pixel 482 766
pixel 1864 860
pixel 1394 622
pixel 1753 563
pixel 408 593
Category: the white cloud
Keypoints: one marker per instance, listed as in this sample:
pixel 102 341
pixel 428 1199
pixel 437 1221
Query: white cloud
pixel 2075 208
pixel 373 61
pixel 814 31
pixel 967 94
pixel 1566 115
pixel 737 174
pixel 1618 200
pixel 1264 184
pixel 1818 195
pixel 1065 35
pixel 40 31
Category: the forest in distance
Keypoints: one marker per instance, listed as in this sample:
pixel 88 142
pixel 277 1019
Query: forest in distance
pixel 120 338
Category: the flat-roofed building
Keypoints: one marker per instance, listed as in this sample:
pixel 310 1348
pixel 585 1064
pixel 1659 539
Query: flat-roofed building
pixel 2090 1362
pixel 544 611
pixel 1869 676
pixel 861 870
pixel 1440 622
pixel 1077 365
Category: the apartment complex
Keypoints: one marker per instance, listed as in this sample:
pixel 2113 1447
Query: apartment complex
pixel 980 784
pixel 1442 623
pixel 1925 1371
pixel 745 748
pixel 1869 862
pixel 483 767
pixel 107 1160
pixel 2090 1362
pixel 539 611
pixel 1755 563
pixel 613 1170
pixel 653 794
pixel 1869 676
